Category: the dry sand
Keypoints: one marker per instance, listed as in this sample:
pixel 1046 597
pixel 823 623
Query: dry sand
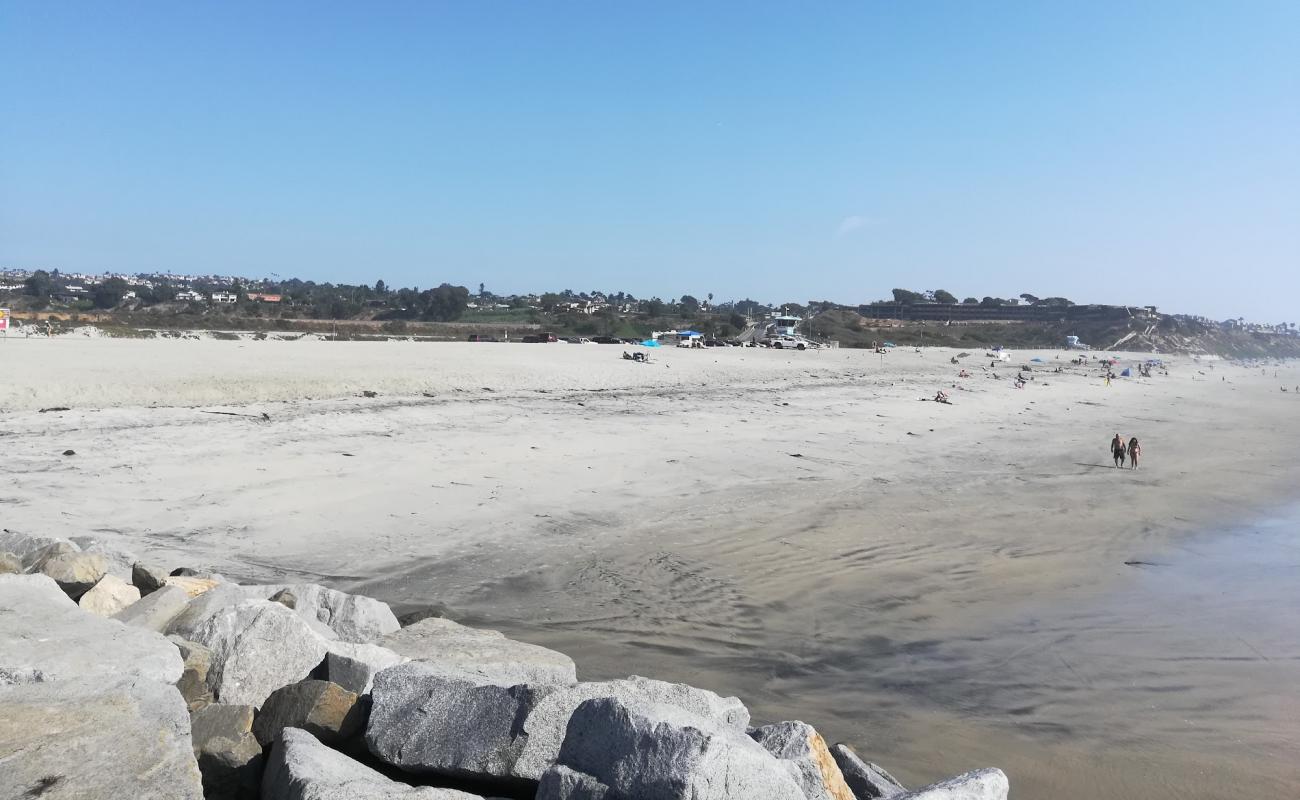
pixel 943 586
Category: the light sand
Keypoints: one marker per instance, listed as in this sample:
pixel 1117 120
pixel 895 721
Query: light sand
pixel 936 584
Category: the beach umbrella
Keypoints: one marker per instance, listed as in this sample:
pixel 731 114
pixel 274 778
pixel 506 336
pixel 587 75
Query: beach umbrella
pixel 651 343
pixel 1127 373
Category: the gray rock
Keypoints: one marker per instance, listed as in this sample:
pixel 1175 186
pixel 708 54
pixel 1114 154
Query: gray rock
pixel 119 560
pixel 230 759
pixel 193 685
pixel 45 637
pixel 146 578
pixel 203 607
pixel 326 710
pixel 301 768
pixel 109 596
pixel 427 720
pixel 868 781
pixel 23 545
pixel 57 547
pixel 75 573
pixel 562 783
pixel 660 752
pixel 257 647
pixel 981 784
pixel 354 666
pixel 156 610
pixel 10 563
pixel 96 737
pixel 485 654
pixel 352 617
pixel 799 745
pixel 547 721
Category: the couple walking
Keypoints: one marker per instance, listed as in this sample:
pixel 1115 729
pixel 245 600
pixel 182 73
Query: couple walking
pixel 1119 450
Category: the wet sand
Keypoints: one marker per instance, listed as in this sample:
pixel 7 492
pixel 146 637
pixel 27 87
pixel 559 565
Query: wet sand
pixel 943 586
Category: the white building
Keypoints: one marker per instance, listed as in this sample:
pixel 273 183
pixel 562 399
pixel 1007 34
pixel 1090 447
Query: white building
pixel 223 297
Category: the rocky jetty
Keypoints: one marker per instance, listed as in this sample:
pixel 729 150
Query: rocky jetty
pixel 120 679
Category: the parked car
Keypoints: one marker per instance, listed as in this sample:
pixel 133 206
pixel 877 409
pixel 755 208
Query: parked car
pixel 578 340
pixel 533 338
pixel 787 343
pixel 478 337
pixel 607 340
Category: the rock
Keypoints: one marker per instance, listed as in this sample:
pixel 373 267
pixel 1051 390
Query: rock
pixel 156 610
pixel 352 617
pixel 646 750
pixel 798 744
pixel 463 725
pixel 58 547
pixel 257 647
pixel 426 720
pixel 230 759
pixel 321 708
pixel 119 560
pixel 109 596
pixel 146 578
pixel 185 572
pixel 10 564
pixel 354 666
pixel 867 780
pixel 193 684
pixel 26 547
pixel 561 782
pixel 981 784
pixel 486 654
pixel 545 726
pixel 96 736
pixel 301 768
pixel 193 586
pixel 202 607
pixel 75 573
pixel 45 637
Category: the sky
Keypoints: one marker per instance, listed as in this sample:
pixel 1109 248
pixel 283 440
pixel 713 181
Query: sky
pixel 1141 153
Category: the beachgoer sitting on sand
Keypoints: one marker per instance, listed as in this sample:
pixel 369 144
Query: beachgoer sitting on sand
pixel 941 396
pixel 963 374
pixel 953 359
pixel 1134 450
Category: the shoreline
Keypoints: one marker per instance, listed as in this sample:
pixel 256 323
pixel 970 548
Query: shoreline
pixel 812 558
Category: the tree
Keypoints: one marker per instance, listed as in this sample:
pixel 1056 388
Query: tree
pixel 970 301
pixel 38 284
pixel 1054 301
pixel 447 303
pixel 381 288
pixel 993 302
pixel 907 297
pixel 110 292
pixel 1029 299
pixel 689 304
pixel 551 301
pixel 738 322
pixel 944 296
pixel 654 307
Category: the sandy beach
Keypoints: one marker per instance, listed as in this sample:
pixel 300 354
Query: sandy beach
pixel 944 586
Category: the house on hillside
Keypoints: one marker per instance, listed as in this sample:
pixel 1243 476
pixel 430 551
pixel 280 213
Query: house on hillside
pixel 224 298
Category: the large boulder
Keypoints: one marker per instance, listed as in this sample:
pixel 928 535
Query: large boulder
pixel 109 596
pixel 194 585
pixel 426 720
pixel 193 685
pixel 156 610
pixel 229 756
pixel 868 781
pixel 119 559
pixel 202 607
pixel 147 578
pixel 621 750
pixel 10 563
pixel 301 768
pixel 354 666
pixel 257 647
pixel 45 637
pixel 326 710
pixel 461 725
pixel 352 617
pixel 485 654
pixel 800 746
pixel 75 573
pixel 57 547
pixel 981 784
pixel 96 736
pixel 29 548
pixel 544 728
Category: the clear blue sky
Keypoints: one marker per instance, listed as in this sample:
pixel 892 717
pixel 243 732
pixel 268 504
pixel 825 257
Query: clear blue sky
pixel 1141 152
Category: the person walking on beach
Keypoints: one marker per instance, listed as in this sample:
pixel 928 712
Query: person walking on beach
pixel 1117 450
pixel 1134 450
